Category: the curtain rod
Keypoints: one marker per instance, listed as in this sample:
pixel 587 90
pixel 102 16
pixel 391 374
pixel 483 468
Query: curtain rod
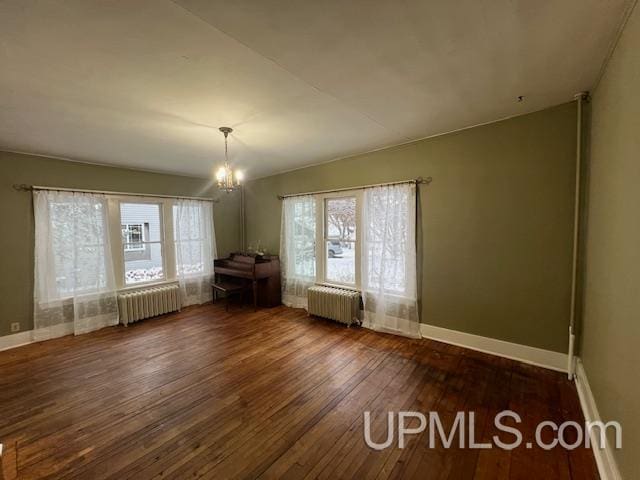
pixel 417 181
pixel 29 188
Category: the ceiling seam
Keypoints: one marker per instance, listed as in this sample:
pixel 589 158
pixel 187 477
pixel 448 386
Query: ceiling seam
pixel 280 172
pixel 409 142
pixel 281 67
pixel 614 43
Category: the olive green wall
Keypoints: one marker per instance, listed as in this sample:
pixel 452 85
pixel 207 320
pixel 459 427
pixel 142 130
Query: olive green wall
pixel 496 221
pixel 16 241
pixel 610 347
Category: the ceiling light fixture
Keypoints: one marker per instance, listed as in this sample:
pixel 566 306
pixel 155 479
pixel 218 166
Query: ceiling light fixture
pixel 228 180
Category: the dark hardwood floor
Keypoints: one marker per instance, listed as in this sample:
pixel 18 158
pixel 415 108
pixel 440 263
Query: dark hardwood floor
pixel 271 394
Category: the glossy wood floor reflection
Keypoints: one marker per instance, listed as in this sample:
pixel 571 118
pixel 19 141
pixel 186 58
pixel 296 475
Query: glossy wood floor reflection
pixel 269 394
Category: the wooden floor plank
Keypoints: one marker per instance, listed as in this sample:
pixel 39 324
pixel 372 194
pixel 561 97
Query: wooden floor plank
pixel 272 394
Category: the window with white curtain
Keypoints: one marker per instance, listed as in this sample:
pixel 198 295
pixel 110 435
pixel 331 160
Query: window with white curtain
pixel 387 232
pixel 298 249
pixel 75 288
pixel 192 238
pixel 389 267
pixel 303 242
pixel 89 246
pixel 320 243
pixel 362 239
pixel 76 228
pixel 195 249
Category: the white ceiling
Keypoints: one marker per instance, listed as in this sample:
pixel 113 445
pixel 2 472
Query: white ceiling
pixel 146 84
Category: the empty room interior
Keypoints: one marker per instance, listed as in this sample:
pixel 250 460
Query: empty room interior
pixel 317 240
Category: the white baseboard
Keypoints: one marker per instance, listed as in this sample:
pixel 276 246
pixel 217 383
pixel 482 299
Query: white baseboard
pixel 607 466
pixel 30 336
pixel 514 351
pixel 16 340
pixel 523 353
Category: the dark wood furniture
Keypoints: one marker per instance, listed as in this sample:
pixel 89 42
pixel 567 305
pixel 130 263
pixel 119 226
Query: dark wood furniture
pixel 263 271
pixel 229 289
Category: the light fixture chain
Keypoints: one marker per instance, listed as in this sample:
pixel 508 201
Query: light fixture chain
pixel 226 151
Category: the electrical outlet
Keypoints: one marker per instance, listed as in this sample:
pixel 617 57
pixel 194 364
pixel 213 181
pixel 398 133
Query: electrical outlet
pixel 15 327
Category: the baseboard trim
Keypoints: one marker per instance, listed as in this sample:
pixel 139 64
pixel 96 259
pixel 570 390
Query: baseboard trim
pixel 523 353
pixel 607 465
pixel 16 340
pixel 20 339
pixel 514 351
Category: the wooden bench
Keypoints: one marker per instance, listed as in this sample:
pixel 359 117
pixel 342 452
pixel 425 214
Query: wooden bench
pixel 229 289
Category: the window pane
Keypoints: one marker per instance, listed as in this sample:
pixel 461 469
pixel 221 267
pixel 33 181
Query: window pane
pixel 341 218
pixel 145 266
pixel 141 224
pixel 341 262
pixel 140 219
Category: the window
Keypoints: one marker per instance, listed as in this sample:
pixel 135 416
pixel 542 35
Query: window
pixel 133 236
pixel 340 240
pixel 388 235
pixel 304 244
pixel 76 228
pixel 142 242
pixel 192 234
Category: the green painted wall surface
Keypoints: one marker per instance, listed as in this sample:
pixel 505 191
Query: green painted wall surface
pixel 611 319
pixel 496 222
pixel 16 241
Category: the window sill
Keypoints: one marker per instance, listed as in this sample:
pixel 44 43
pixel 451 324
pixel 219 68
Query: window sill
pixel 398 296
pixel 143 285
pixel 337 285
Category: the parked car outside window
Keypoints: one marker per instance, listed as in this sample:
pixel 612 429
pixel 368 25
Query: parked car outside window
pixel 335 249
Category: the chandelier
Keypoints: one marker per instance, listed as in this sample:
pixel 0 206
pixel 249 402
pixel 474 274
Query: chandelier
pixel 228 180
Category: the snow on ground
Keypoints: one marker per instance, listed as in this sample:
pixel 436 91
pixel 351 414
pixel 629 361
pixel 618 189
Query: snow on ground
pixel 342 268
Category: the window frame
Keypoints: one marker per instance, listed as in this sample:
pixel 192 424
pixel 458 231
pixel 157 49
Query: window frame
pixel 322 238
pixel 118 244
pixel 144 242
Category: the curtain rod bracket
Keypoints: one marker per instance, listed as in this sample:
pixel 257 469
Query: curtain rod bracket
pixel 22 187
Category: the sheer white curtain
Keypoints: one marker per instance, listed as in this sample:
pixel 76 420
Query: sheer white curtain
pixel 74 289
pixel 388 260
pixel 195 247
pixel 298 249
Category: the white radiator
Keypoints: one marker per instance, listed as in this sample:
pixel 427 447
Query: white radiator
pixel 335 303
pixel 147 303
